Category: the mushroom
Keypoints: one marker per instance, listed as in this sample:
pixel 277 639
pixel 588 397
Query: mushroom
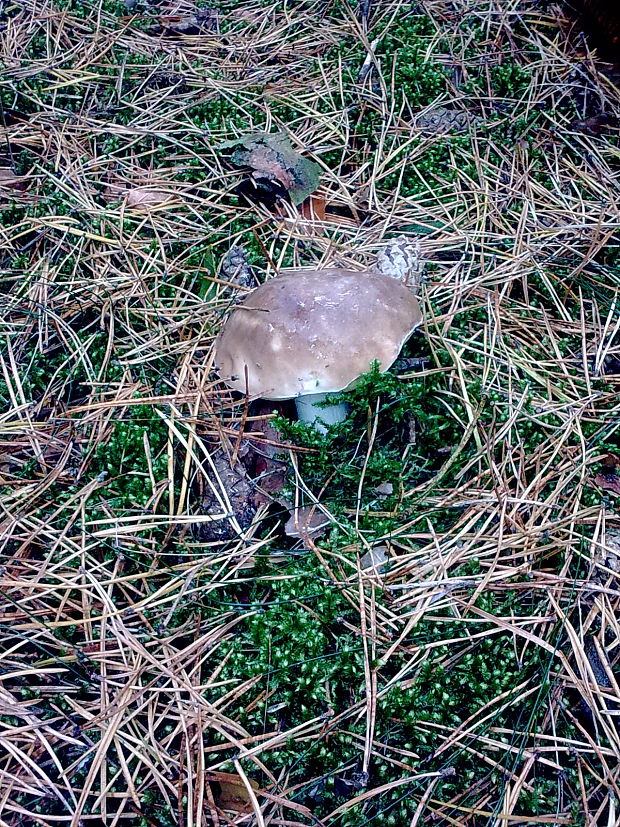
pixel 308 333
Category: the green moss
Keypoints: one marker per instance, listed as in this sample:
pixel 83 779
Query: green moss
pixel 298 642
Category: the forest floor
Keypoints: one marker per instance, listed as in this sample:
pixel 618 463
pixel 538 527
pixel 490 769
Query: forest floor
pixel 445 649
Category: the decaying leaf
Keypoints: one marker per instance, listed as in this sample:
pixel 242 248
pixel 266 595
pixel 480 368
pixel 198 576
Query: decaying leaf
pixel 609 551
pixel 9 180
pixel 200 20
pixel 313 208
pixel 317 208
pixel 608 478
pixel 272 158
pixel 229 791
pixel 376 559
pixel 182 17
pixel 608 482
pixel 596 125
pixel 263 457
pixel 147 198
pixel 384 489
pixel 308 521
pixel 164 80
pixel 348 785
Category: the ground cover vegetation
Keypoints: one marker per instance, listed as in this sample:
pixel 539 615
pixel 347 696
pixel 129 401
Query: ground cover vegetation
pixel 165 661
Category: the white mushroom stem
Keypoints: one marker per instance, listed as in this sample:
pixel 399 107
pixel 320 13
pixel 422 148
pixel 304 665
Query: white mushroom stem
pixel 309 409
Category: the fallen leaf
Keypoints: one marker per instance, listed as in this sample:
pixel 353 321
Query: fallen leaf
pixel 182 17
pixel 611 460
pixel 347 786
pixel 164 80
pixel 268 473
pixel 608 482
pixel 608 478
pixel 317 208
pixel 385 489
pixel 609 553
pixel 308 521
pixel 272 159
pixel 313 208
pixel 229 791
pixel 247 15
pixel 8 180
pixel 146 198
pixel 596 125
pixel 191 24
pixel 376 559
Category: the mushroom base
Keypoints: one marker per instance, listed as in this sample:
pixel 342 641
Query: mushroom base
pixel 310 410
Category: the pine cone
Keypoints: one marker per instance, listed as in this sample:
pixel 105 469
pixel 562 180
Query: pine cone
pixel 236 268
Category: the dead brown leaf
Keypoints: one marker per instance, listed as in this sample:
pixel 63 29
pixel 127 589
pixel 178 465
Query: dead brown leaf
pixel 147 198
pixel 229 791
pixel 313 208
pixel 201 20
pixel 9 180
pixel 608 482
pixel 376 559
pixel 608 477
pixel 384 489
pixel 317 208
pixel 267 472
pixel 596 125
pixel 308 521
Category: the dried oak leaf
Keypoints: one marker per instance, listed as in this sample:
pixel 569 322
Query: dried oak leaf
pixel 271 158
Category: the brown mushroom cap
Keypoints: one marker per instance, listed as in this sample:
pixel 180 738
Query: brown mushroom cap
pixel 314 331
